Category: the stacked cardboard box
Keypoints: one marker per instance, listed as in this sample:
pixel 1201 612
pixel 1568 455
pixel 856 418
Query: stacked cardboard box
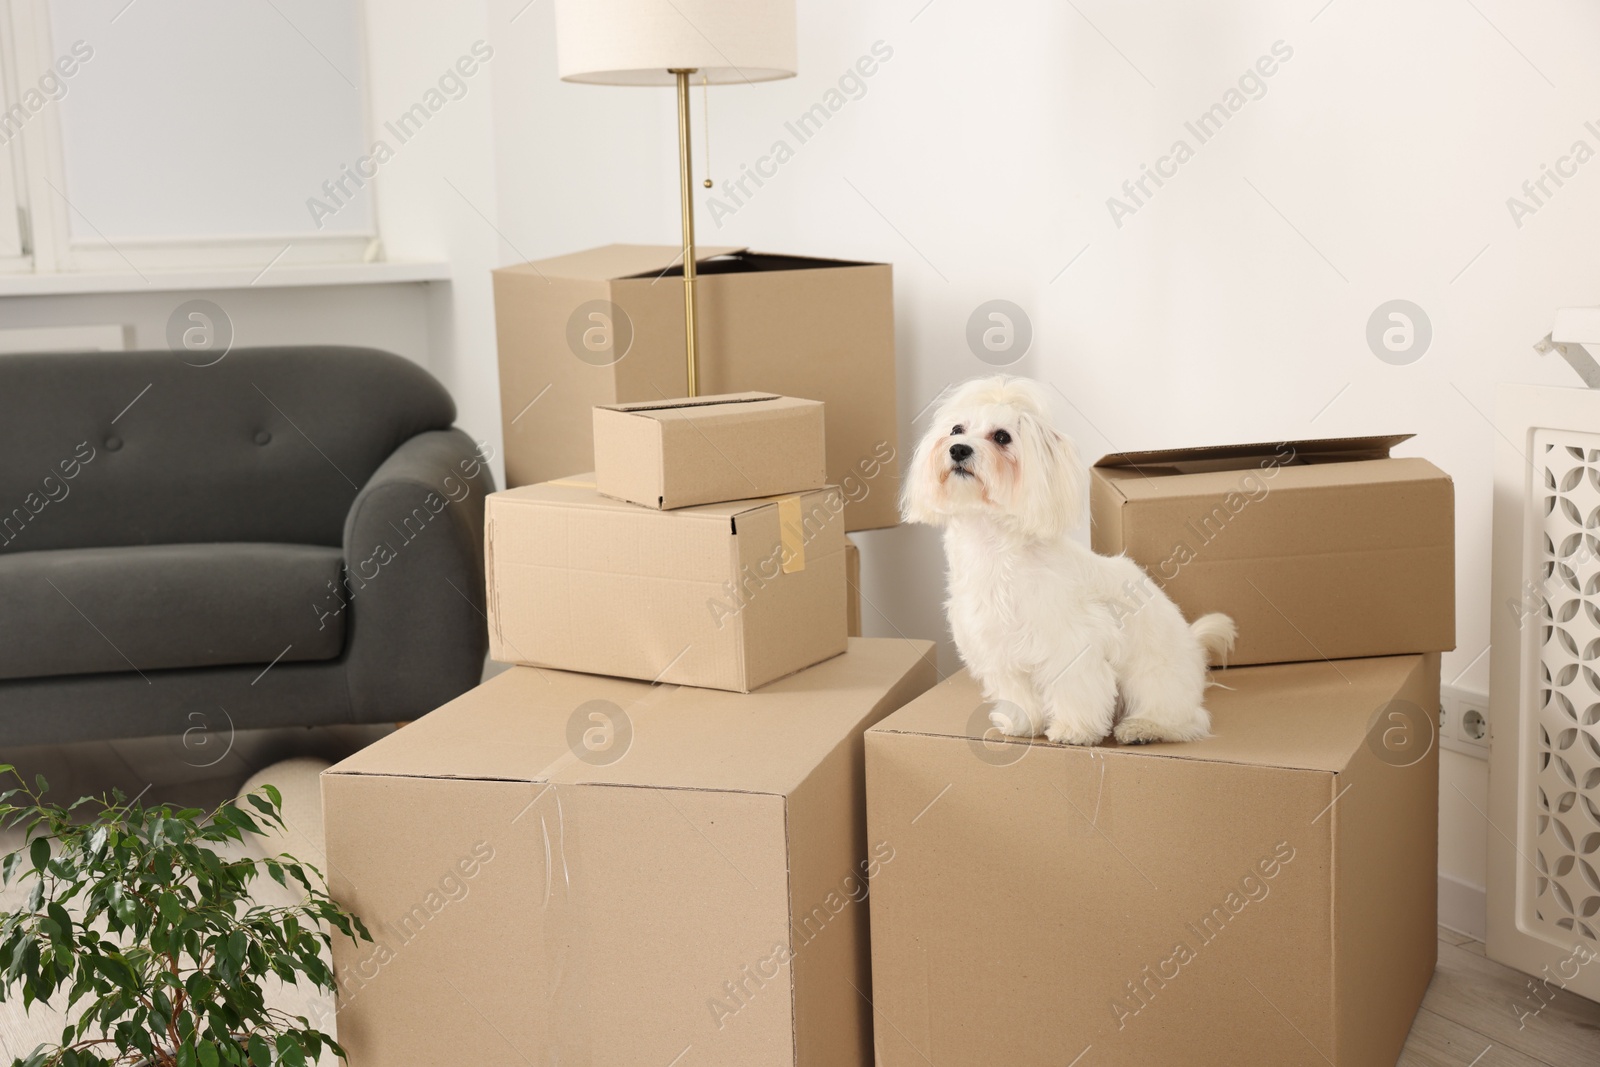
pixel 1265 896
pixel 1318 549
pixel 745 587
pixel 609 860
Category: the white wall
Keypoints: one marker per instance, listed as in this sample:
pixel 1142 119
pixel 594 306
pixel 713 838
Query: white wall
pixel 576 165
pixel 520 167
pixel 1390 140
pixel 435 199
pixel 1232 305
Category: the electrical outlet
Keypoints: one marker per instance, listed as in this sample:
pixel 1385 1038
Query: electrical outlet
pixel 1464 721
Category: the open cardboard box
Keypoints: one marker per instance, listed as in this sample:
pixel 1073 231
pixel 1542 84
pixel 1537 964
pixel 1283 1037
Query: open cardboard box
pixel 565 869
pixel 605 326
pixel 708 449
pixel 726 596
pixel 1263 897
pixel 1318 549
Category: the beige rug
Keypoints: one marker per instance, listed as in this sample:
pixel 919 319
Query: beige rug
pixel 298 781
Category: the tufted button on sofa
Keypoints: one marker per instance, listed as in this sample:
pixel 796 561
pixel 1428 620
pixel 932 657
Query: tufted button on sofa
pixel 287 536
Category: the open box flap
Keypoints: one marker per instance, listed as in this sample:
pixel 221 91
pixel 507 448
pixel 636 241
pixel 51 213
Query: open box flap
pixel 688 402
pixel 1215 457
pixel 610 262
pixel 746 261
pixel 579 491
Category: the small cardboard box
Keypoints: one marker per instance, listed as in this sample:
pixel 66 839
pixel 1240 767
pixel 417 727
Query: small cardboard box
pixel 565 869
pixel 709 449
pixel 726 596
pixel 1266 896
pixel 1317 549
pixel 605 326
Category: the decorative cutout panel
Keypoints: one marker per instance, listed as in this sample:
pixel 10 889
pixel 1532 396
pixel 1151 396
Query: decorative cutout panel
pixel 1561 893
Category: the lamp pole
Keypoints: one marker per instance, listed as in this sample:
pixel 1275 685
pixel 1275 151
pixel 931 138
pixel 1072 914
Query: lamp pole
pixel 686 192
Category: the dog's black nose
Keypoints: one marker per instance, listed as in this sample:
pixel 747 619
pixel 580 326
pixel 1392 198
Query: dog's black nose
pixel 960 453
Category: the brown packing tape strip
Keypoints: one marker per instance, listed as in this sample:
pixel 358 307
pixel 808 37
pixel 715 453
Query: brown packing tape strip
pixel 571 483
pixel 792 533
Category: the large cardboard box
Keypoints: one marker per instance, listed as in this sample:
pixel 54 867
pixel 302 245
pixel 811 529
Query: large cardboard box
pixel 566 869
pixel 1318 549
pixel 727 596
pixel 605 326
pixel 678 453
pixel 1266 896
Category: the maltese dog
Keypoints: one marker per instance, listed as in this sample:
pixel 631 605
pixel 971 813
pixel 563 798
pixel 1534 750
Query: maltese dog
pixel 1052 632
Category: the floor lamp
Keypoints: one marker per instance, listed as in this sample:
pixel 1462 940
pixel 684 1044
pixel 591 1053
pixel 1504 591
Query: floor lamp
pixel 668 43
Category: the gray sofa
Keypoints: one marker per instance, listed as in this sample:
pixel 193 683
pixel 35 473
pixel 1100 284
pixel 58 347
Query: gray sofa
pixel 288 536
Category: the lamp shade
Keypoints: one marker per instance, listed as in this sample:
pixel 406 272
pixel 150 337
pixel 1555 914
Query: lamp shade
pixel 636 42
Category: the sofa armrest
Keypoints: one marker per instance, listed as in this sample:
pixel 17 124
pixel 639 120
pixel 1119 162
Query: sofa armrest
pixel 414 588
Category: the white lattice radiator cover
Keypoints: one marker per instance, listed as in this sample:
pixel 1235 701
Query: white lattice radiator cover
pixel 1544 774
pixel 1562 798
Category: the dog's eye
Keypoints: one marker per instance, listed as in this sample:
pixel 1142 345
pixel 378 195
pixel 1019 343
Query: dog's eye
pixel 1001 437
pixel 957 430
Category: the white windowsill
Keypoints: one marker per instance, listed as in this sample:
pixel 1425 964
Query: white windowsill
pixel 277 277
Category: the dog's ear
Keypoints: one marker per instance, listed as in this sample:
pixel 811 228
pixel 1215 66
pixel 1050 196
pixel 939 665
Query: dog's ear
pixel 1053 481
pixel 921 483
pixel 919 493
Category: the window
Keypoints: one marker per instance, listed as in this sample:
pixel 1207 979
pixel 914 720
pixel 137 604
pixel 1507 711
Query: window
pixel 158 134
pixel 11 254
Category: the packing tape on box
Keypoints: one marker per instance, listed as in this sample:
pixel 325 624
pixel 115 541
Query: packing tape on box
pixel 572 483
pixel 792 532
pixel 564 914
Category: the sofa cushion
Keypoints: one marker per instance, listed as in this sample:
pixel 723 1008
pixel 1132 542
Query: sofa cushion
pixel 154 607
pixel 148 448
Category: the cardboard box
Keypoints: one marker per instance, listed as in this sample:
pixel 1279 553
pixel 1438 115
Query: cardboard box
pixel 852 592
pixel 1318 549
pixel 1266 896
pixel 727 596
pixel 561 868
pixel 678 453
pixel 605 326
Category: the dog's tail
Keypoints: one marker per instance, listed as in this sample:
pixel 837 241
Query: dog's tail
pixel 1216 633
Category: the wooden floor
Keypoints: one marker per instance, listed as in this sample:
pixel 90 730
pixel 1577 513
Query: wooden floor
pixel 1469 1019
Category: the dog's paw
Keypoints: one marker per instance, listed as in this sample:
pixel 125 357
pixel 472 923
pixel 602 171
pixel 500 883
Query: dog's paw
pixel 1011 725
pixel 1140 732
pixel 1062 735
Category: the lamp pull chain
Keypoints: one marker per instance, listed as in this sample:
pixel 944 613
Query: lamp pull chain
pixel 705 101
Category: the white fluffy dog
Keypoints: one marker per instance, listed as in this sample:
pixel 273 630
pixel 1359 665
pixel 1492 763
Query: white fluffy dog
pixel 1052 632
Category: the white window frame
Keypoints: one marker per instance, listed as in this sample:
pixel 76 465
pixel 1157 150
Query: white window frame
pixel 44 242
pixel 14 255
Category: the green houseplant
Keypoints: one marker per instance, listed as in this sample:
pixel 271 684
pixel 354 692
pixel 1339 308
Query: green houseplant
pixel 153 935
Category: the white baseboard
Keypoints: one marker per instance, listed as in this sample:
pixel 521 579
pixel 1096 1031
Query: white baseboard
pixel 1463 907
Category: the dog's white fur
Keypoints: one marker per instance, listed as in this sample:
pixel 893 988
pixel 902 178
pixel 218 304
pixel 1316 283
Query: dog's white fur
pixel 1053 632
